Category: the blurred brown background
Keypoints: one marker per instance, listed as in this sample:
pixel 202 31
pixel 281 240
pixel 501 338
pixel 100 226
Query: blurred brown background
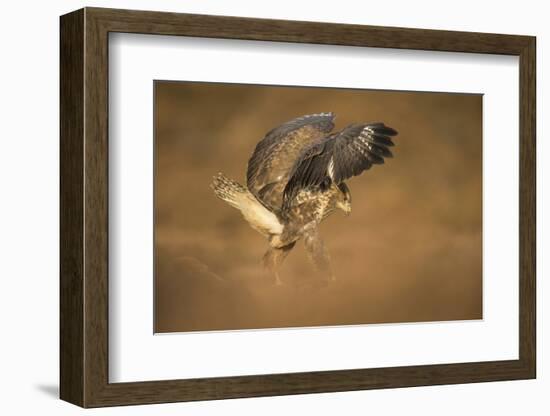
pixel 410 251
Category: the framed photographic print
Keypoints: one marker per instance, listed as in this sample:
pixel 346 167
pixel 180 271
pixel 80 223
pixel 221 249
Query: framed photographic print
pixel 255 207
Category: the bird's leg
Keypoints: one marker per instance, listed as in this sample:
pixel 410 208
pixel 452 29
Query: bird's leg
pixel 278 281
pixel 273 258
pixel 318 253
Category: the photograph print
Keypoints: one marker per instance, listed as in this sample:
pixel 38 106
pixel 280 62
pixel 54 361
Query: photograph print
pixel 293 207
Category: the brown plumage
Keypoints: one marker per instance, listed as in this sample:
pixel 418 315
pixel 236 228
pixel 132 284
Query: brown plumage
pixel 295 179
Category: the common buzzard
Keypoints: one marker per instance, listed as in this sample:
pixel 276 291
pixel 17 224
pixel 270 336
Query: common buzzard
pixel 295 179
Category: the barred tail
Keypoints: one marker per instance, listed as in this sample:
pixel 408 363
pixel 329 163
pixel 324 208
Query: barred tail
pixel 229 190
pixel 236 195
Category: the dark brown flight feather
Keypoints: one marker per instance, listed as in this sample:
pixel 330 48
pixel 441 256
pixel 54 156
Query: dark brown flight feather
pixel 338 157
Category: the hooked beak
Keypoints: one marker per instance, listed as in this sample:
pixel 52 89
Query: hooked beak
pixel 347 209
pixel 345 206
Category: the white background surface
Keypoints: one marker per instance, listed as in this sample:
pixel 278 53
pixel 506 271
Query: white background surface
pixel 136 355
pixel 29 209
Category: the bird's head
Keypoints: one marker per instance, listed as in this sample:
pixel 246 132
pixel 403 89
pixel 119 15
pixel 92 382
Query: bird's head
pixel 344 200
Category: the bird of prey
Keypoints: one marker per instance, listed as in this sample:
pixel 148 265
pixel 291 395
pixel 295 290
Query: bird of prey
pixel 295 179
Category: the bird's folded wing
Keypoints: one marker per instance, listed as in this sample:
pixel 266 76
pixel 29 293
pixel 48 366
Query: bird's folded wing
pixel 273 158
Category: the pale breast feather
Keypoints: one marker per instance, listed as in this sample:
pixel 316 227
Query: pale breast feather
pixel 259 217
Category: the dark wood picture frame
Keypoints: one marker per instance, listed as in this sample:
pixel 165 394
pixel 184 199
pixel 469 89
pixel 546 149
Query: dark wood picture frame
pixel 84 207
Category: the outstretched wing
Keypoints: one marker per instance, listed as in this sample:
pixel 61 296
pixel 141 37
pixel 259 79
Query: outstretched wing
pixel 339 157
pixel 273 158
